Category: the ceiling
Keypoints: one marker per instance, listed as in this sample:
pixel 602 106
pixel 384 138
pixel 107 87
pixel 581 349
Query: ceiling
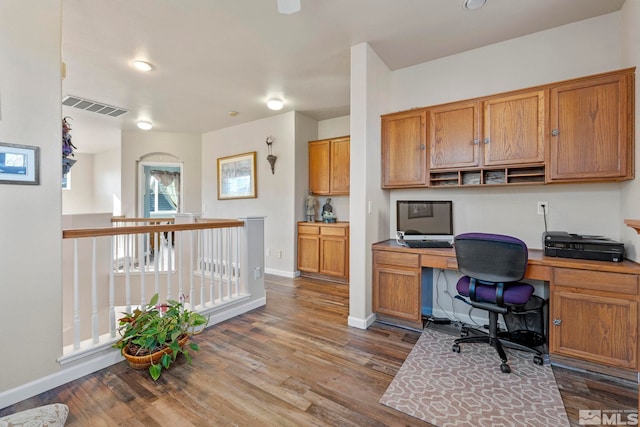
pixel 211 57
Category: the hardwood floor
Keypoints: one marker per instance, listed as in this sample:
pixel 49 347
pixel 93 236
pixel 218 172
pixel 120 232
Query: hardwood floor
pixel 293 362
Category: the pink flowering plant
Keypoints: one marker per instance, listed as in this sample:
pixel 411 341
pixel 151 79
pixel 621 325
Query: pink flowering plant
pixel 156 327
pixel 67 145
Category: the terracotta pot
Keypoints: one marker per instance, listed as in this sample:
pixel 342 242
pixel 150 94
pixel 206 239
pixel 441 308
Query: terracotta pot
pixel 143 362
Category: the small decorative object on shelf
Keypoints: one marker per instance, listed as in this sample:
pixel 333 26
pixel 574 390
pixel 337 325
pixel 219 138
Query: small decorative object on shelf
pixel 310 205
pixel 271 158
pixel 67 147
pixel 153 336
pixel 327 212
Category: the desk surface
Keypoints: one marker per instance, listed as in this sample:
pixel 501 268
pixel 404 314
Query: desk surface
pixel 539 264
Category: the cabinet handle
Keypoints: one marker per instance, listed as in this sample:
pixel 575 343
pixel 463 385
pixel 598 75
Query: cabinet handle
pixel 555 132
pixel 422 147
pixel 486 140
pixel 476 142
pixel 557 322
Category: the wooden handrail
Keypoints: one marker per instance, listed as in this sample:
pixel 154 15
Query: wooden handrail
pixel 149 220
pixel 159 228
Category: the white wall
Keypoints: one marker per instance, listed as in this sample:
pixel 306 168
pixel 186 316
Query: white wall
pixel 630 17
pixel 107 181
pixel 80 195
pixel 575 50
pixel 30 217
pixel 184 146
pixel 276 192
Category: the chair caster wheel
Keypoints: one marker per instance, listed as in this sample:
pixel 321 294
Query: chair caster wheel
pixel 455 348
pixel 505 368
pixel 538 360
pixel 464 333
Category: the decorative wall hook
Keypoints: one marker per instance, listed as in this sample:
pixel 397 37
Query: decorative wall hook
pixel 271 158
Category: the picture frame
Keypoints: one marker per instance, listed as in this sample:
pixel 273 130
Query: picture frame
pixel 237 176
pixel 19 164
pixel 422 210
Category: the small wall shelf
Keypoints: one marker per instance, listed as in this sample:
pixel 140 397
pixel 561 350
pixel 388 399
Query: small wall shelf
pixel 519 175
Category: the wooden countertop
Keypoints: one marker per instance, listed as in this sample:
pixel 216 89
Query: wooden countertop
pixel 536 258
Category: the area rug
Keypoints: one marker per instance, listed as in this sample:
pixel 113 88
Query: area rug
pixel 445 388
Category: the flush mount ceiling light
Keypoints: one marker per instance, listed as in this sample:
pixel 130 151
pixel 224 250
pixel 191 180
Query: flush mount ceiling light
pixel 275 104
pixel 474 4
pixel 144 125
pixel 288 7
pixel 142 65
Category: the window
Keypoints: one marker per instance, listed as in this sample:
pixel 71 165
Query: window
pixel 66 181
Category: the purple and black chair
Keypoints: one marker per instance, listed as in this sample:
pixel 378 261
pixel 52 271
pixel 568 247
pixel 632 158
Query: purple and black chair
pixel 493 265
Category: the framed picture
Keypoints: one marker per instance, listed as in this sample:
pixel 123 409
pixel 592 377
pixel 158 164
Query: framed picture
pixel 237 176
pixel 420 210
pixel 19 164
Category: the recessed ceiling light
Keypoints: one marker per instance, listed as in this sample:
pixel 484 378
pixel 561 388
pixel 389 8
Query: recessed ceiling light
pixel 144 125
pixel 474 4
pixel 142 65
pixel 275 104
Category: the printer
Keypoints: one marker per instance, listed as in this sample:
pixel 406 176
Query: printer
pixel 566 245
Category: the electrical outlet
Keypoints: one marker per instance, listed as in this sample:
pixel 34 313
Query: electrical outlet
pixel 268 252
pixel 543 207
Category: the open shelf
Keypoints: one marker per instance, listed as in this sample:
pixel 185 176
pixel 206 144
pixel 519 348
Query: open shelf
pixel 488 176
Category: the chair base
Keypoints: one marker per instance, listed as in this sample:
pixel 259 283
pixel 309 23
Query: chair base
pixel 497 340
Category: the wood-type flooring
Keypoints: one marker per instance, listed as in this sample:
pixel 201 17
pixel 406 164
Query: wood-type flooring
pixel 293 362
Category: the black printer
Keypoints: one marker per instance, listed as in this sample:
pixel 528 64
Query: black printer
pixel 566 245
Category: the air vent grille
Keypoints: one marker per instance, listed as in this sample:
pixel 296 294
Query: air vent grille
pixel 96 107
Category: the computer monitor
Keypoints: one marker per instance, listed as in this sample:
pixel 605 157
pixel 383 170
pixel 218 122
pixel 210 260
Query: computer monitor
pixel 425 219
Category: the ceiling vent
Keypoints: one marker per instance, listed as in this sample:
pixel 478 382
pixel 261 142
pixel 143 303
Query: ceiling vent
pixel 96 107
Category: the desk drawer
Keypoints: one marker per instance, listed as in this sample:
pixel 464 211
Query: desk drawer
pixel 396 258
pixel 308 229
pixel 333 231
pixel 596 280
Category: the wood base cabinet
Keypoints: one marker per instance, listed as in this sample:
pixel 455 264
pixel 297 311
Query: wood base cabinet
pixel 396 285
pixel 323 250
pixel 594 316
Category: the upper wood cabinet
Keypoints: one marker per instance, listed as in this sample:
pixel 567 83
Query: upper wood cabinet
pixel 514 129
pixel 404 149
pixel 591 129
pixel 504 130
pixel 329 166
pixel 578 130
pixel 454 135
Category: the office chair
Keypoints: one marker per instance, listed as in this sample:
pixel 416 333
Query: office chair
pixel 493 265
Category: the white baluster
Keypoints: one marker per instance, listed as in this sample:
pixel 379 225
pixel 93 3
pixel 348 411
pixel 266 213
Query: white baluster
pixel 95 331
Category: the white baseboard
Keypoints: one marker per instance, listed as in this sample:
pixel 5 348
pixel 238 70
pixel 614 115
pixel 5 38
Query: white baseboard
pixel 282 273
pixel 360 323
pixel 96 362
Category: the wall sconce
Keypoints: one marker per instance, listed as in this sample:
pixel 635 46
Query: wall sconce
pixel 271 158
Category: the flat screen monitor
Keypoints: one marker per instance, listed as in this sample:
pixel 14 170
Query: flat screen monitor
pixel 425 220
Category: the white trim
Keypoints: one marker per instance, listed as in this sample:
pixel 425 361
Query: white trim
pixel 282 273
pixel 361 323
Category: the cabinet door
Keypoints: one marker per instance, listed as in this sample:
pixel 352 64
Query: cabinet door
pixel 308 253
pixel 591 133
pixel 404 152
pixel 514 129
pixel 396 292
pixel 319 163
pixel 594 327
pixel 333 256
pixel 340 164
pixel 454 136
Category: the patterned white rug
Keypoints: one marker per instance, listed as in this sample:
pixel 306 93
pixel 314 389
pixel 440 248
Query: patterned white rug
pixel 445 388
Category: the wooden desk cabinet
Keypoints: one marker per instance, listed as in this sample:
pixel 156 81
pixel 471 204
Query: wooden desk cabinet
pixel 593 305
pixel 323 250
pixel 396 285
pixel 594 316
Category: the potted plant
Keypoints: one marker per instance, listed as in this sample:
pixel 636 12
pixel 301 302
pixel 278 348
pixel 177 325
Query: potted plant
pixel 154 335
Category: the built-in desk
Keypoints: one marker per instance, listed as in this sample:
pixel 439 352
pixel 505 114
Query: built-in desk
pixel 593 305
